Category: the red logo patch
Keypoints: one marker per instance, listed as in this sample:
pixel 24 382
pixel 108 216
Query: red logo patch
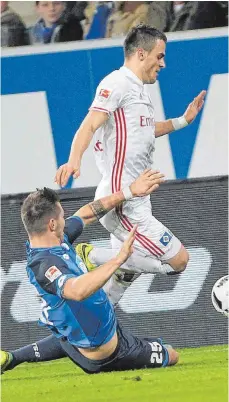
pixel 53 273
pixel 98 147
pixel 105 93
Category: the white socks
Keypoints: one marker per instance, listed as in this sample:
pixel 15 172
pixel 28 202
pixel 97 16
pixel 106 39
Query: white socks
pixel 137 262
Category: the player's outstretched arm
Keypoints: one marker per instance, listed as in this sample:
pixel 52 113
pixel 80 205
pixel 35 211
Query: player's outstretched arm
pixel 145 184
pixel 80 143
pixel 167 126
pixel 85 285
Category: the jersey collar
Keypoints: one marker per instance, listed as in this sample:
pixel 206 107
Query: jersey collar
pixel 62 247
pixel 130 74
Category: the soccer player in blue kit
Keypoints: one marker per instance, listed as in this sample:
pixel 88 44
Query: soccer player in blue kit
pixel 75 307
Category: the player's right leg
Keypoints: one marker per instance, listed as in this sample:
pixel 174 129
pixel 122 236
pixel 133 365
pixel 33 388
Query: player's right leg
pixel 46 349
pixel 6 358
pixel 136 264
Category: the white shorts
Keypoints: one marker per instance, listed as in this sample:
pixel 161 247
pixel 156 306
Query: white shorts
pixel 152 237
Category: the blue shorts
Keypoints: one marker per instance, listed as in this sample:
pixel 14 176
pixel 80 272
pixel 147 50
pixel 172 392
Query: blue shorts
pixel 131 353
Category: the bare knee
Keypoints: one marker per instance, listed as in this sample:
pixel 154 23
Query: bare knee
pixel 180 261
pixel 173 356
pixel 183 261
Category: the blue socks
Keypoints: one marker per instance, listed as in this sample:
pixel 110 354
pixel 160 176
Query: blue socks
pixel 44 350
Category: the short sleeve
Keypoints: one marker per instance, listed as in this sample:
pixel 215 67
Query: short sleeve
pixel 73 228
pixel 108 97
pixel 51 274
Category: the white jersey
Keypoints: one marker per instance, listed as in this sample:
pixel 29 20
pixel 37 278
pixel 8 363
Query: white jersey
pixel 124 148
pixel 124 145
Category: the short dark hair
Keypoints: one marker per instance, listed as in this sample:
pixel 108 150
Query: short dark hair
pixel 38 208
pixel 143 36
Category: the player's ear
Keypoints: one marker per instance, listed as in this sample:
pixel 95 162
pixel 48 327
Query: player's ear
pixel 141 54
pixel 52 225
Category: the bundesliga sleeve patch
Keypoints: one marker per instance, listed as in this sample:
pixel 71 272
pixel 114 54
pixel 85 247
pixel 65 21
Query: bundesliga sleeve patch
pixel 104 93
pixel 53 273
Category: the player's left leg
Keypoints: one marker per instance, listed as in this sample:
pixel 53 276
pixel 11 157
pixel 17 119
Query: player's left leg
pixel 136 264
pixel 46 349
pixel 137 353
pixel 131 353
pixel 179 261
pixel 152 237
pixel 153 240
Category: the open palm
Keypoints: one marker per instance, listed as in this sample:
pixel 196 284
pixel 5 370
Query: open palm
pixel 195 107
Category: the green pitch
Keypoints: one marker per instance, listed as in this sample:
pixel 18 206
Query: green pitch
pixel 200 376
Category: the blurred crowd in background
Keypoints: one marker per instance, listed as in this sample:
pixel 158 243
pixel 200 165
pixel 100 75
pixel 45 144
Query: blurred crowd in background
pixel 41 22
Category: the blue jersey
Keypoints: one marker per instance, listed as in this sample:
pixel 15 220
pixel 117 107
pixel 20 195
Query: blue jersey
pixel 88 323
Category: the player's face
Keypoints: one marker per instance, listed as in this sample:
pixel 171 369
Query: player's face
pixel 50 11
pixel 153 62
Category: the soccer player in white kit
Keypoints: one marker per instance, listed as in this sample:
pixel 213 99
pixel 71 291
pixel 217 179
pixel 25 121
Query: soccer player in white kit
pixel 122 123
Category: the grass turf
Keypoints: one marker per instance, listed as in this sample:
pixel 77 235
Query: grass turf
pixel 200 376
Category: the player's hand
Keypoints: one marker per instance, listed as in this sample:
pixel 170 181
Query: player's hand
pixel 146 183
pixel 127 247
pixel 64 173
pixel 195 107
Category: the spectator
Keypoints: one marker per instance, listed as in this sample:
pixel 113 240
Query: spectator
pixel 13 30
pixel 170 16
pixel 54 24
pixel 77 8
pixel 126 15
pixel 97 14
pixel 209 14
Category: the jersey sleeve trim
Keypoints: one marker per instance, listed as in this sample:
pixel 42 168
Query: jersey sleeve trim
pixel 61 282
pixel 99 109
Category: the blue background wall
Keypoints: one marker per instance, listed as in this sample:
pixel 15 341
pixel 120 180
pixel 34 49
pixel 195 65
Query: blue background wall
pixel 70 79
